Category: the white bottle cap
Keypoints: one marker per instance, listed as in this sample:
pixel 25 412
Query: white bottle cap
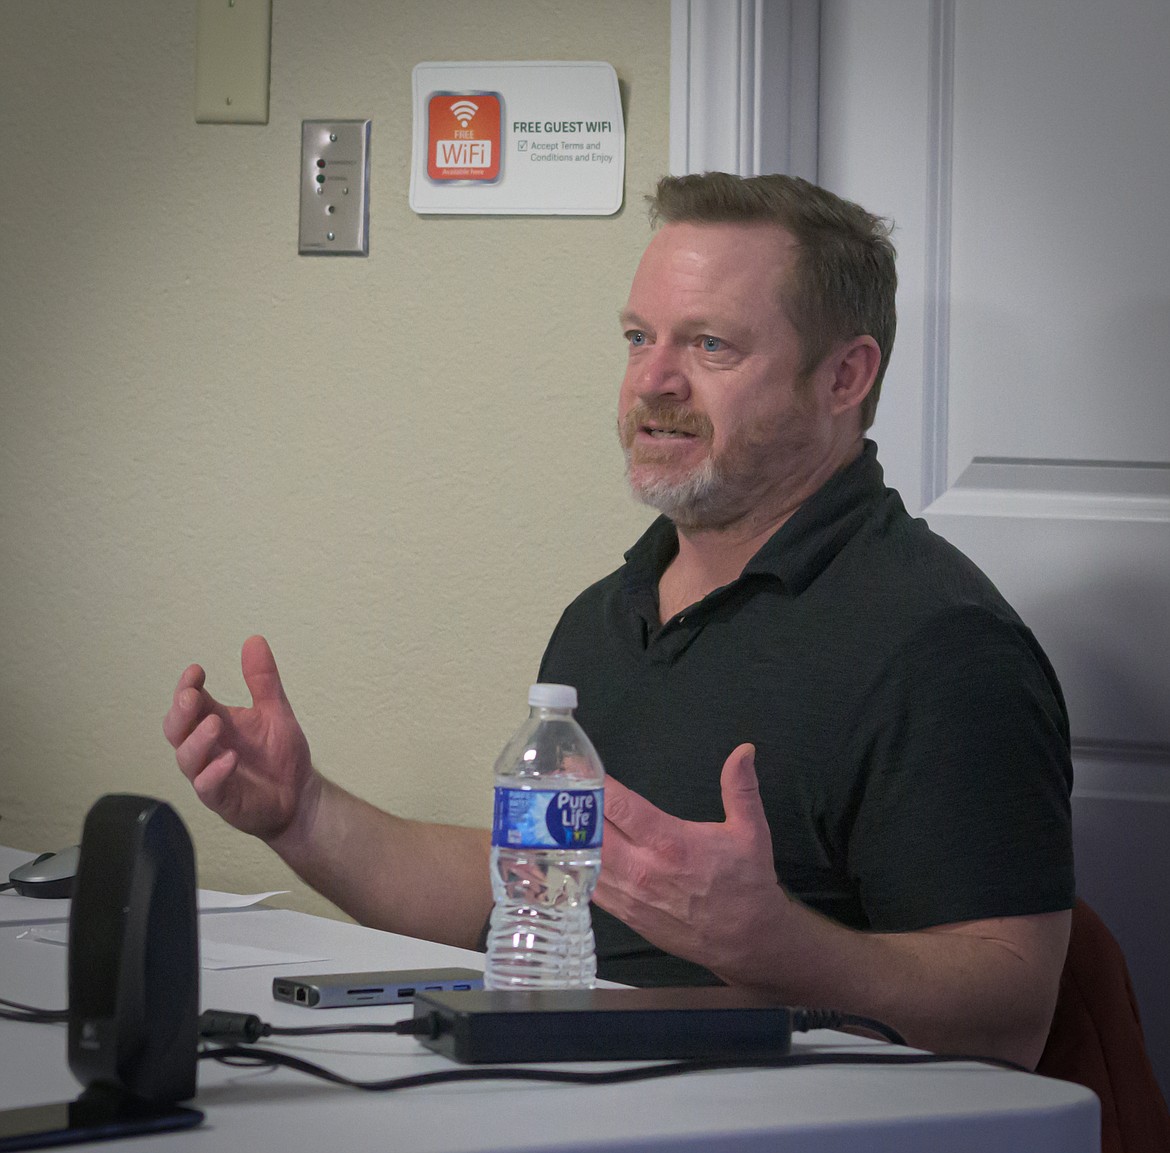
pixel 552 696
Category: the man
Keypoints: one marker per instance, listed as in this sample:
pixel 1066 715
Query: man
pixel 894 840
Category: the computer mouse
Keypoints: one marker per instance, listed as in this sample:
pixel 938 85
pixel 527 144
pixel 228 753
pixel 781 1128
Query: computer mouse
pixel 49 875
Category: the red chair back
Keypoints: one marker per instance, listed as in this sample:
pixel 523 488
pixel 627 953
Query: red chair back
pixel 1096 1040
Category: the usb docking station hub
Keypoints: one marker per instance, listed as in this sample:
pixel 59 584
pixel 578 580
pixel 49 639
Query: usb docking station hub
pixel 505 1025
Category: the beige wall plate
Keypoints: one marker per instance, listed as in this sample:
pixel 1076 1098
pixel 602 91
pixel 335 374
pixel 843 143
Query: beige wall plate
pixel 232 50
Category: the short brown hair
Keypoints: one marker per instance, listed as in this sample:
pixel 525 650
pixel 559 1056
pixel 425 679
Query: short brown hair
pixel 845 280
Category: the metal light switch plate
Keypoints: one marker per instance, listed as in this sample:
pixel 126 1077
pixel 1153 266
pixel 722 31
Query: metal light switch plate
pixel 335 188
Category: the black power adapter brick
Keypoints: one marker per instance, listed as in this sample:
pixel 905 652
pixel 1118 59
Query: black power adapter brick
pixel 505 1025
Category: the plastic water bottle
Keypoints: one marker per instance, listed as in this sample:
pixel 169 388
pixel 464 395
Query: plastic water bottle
pixel 546 850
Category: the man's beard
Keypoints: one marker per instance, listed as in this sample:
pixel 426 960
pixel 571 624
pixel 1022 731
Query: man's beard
pixel 697 500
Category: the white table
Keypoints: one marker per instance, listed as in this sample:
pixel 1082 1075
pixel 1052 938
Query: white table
pixel 829 1109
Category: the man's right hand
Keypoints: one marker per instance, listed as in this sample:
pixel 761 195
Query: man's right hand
pixel 249 765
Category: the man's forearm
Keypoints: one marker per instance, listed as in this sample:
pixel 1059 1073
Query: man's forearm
pixel 423 880
pixel 986 988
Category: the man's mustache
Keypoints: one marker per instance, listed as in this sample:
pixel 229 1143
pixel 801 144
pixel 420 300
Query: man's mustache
pixel 666 415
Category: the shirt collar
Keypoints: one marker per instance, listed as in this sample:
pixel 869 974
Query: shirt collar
pixel 800 549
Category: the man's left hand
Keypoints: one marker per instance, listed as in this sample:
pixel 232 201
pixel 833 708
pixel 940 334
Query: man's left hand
pixel 696 889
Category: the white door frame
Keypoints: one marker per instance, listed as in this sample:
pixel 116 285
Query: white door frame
pixel 731 61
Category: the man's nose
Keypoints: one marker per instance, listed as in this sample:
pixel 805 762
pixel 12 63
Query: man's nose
pixel 661 372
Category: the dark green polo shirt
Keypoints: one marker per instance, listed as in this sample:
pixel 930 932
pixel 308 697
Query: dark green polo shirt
pixel 912 741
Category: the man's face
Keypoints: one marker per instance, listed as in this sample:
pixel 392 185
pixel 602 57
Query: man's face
pixel 712 416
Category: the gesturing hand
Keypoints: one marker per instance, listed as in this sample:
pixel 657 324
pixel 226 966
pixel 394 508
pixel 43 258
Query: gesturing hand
pixel 699 890
pixel 249 765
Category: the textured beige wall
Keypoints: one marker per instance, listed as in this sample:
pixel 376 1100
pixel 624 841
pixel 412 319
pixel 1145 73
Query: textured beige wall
pixel 399 469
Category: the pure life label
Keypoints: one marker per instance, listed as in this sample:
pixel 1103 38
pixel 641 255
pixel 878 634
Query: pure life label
pixel 547 818
pixel 517 137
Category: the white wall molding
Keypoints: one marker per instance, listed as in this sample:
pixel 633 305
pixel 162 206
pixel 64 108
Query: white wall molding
pixel 936 332
pixel 1126 769
pixel 1060 489
pixel 733 62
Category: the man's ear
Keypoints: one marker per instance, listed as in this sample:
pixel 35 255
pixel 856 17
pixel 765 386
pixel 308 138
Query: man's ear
pixel 851 367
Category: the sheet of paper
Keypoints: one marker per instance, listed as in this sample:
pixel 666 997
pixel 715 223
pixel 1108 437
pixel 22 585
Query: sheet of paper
pixel 212 902
pixel 213 954
pixel 222 955
pixel 17 910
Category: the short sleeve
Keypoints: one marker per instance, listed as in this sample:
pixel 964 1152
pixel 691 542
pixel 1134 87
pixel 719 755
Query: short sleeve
pixel 964 810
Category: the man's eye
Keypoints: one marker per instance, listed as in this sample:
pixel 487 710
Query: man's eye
pixel 636 337
pixel 711 343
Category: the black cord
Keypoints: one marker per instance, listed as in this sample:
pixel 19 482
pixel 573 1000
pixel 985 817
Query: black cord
pixel 15 1011
pixel 243 1056
pixel 224 1026
pixel 218 1025
pixel 804 1020
pixel 8 885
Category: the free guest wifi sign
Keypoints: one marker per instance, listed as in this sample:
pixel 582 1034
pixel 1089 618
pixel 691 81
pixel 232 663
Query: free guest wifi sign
pixel 517 137
pixel 463 136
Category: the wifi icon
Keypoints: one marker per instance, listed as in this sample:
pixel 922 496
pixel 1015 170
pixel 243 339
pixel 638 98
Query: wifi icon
pixel 464 110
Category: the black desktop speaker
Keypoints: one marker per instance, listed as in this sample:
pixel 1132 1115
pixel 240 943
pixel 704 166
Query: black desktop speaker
pixel 134 953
